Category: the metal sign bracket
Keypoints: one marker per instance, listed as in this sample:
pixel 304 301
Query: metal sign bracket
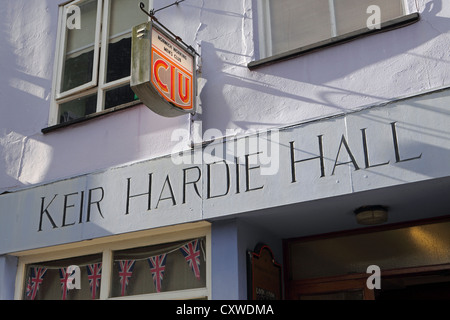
pixel 151 14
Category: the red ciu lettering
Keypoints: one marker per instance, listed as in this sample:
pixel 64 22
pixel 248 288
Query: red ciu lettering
pixel 186 97
pixel 158 65
pixel 173 83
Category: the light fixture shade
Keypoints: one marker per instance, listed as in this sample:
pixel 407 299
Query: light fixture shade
pixel 371 215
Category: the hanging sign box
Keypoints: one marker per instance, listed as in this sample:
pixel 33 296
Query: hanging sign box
pixel 162 71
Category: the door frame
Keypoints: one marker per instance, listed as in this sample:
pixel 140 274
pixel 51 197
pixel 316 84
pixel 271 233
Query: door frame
pixel 357 281
pixel 294 288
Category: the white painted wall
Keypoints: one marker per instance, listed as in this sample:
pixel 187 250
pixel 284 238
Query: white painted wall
pixel 365 72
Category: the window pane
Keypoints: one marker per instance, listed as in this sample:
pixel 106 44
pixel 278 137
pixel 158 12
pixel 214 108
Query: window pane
pixel 77 108
pixel 118 96
pixel 160 268
pixel 47 280
pixel 352 15
pixel 125 14
pixel 78 69
pixel 119 59
pixel 297 23
pixel 79 52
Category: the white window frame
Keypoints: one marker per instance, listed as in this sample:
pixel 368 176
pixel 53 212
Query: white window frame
pixel 98 84
pixel 62 46
pixel 264 24
pixel 107 246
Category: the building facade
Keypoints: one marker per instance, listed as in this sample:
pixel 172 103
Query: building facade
pixel 314 164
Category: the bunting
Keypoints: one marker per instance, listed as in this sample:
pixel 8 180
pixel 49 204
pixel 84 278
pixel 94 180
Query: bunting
pixel 29 288
pixel 157 268
pixel 125 271
pixel 191 253
pixel 94 275
pixel 63 276
pixel 35 280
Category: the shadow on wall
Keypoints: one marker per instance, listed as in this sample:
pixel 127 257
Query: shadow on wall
pixel 25 83
pixel 326 66
pixel 27 156
pixel 230 85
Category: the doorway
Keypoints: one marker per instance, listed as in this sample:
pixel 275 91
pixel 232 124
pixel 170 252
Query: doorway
pixel 425 283
pixel 423 286
pixel 414 263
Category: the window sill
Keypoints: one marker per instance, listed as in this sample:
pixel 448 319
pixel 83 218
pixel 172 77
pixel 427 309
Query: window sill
pixel 89 117
pixel 386 26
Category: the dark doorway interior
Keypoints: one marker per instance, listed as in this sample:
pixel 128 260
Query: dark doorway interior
pixel 424 287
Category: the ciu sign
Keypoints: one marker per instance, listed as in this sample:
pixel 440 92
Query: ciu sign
pixel 162 72
pixel 172 71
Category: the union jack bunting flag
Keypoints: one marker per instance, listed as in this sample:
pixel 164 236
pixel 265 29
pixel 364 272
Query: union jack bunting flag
pixel 125 271
pixel 191 253
pixel 94 275
pixel 63 276
pixel 29 288
pixel 35 280
pixel 157 267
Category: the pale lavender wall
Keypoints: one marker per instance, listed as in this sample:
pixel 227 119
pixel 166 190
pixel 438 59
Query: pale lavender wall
pixel 28 157
pixel 231 240
pixel 8 268
pixel 368 71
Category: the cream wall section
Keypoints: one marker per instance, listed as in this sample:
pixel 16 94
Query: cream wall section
pixel 368 71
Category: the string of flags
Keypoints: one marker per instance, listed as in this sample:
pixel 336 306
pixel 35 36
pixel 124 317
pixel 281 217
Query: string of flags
pixel 34 281
pixel 157 264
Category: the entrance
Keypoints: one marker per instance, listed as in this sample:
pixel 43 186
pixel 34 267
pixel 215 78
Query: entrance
pixel 425 286
pixel 404 284
pixel 414 263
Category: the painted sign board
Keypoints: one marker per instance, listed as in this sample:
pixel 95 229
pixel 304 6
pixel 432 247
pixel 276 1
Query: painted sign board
pixel 378 147
pixel 162 72
pixel 264 275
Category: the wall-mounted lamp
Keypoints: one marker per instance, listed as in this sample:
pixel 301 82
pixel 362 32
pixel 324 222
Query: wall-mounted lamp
pixel 371 215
